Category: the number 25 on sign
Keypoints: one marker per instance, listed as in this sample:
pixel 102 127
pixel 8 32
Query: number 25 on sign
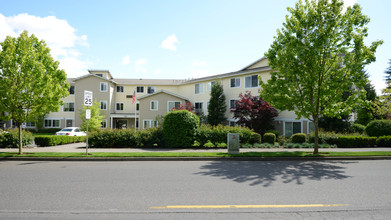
pixel 87 98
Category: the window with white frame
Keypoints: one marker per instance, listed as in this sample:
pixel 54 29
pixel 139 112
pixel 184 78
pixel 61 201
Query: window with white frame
pixel 103 86
pixel 30 124
pixel 52 123
pixel 209 85
pixel 151 89
pixel 120 89
pixel 137 106
pixel 103 105
pixel 235 82
pixel 251 81
pixel 292 128
pixel 69 107
pixel 199 88
pixel 232 123
pixel 140 89
pixel 199 107
pixel 150 124
pixel 103 123
pixel 233 103
pixel 173 104
pixel 119 106
pixel 154 105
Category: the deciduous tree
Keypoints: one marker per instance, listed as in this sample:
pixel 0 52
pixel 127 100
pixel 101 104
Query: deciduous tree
pixel 317 56
pixel 31 82
pixel 95 122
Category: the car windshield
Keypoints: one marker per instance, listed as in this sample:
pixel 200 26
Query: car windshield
pixel 66 129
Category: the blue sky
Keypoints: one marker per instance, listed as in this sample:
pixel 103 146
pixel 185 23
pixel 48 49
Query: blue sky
pixel 168 39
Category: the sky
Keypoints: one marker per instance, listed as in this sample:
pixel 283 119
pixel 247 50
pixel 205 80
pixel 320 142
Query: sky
pixel 167 39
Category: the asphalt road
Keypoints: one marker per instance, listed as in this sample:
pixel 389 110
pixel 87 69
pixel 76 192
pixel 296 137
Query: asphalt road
pixel 196 190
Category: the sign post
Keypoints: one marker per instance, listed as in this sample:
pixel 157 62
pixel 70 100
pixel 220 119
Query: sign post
pixel 87 102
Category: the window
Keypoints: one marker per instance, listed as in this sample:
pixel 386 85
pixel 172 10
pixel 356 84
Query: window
pixel 71 90
pixel 198 107
pixel 292 128
pixel 150 124
pixel 232 123
pixel 30 124
pixel 103 105
pixel 119 106
pixel 199 88
pixel 232 104
pixel 137 106
pixel 103 123
pixel 52 123
pixel 172 104
pixel 100 75
pixel 235 82
pixel 120 89
pixel 209 86
pixel 251 81
pixel 69 107
pixel 140 89
pixel 151 89
pixel 103 86
pixel 154 105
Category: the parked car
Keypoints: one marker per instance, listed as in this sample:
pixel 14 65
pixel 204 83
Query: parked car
pixel 71 131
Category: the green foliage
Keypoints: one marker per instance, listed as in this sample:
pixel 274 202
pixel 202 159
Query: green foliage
pixel 209 144
pixel 269 138
pixel 115 138
pixel 282 140
pixel 305 145
pixel 318 46
pixel 325 138
pixel 10 138
pixel 384 141
pixel 358 128
pixel 95 122
pixel 217 106
pixel 31 82
pixel 356 141
pixel 379 128
pixel 299 138
pixel 277 133
pixel 48 130
pixel 180 128
pixel 53 140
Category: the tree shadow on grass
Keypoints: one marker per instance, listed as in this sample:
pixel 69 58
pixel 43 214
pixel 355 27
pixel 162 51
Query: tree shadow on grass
pixel 266 172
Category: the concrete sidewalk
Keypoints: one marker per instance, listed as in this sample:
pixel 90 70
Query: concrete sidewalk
pixel 81 147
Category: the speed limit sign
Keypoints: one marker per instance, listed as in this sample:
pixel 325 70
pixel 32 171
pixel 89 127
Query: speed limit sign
pixel 87 98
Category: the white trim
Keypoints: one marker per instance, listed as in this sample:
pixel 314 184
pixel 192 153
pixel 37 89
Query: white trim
pixel 63 107
pixel 137 92
pixel 202 107
pixel 151 123
pixel 200 91
pixel 51 119
pixel 116 89
pixel 157 105
pixel 100 102
pixel 236 99
pixel 116 107
pixel 105 120
pixel 154 89
pixel 100 86
pixel 240 83
pixel 73 122
pixel 168 105
pixel 251 76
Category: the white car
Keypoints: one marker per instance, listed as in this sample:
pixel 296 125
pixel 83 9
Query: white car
pixel 71 131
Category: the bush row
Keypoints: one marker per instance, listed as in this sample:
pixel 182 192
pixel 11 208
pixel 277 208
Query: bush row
pixel 352 141
pixel 52 140
pixel 10 138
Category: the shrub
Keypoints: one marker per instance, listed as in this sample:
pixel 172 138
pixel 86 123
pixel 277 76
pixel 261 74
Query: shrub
pixel 209 144
pixel 358 128
pixel 298 138
pixel 180 128
pixel 325 138
pixel 384 141
pixel 53 140
pixel 114 138
pixel 150 137
pixel 277 133
pixel 282 140
pixel 356 141
pixel 269 138
pixel 378 128
pixel 11 138
pixel 48 130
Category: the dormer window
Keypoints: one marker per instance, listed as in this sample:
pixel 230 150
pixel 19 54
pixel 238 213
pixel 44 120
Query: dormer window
pixel 101 75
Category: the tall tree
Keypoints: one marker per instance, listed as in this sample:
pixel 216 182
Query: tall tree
pixel 217 105
pixel 317 56
pixel 95 122
pixel 31 82
pixel 388 75
pixel 253 112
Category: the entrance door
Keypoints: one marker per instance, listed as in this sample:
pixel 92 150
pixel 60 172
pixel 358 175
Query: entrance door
pixel 121 124
pixel 69 123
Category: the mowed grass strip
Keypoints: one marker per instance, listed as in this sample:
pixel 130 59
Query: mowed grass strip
pixel 197 154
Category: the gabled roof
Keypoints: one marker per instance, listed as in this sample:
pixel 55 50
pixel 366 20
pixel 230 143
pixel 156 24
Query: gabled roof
pixel 148 81
pixel 162 91
pixel 260 59
pixel 106 71
pixel 90 75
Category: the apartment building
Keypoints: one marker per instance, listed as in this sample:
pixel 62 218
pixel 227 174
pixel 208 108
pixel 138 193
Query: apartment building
pixel 137 103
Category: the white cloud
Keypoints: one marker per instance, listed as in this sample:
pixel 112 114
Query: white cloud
pixel 139 65
pixel 199 73
pixel 348 3
pixel 198 63
pixel 126 60
pixel 60 37
pixel 379 85
pixel 158 70
pixel 169 42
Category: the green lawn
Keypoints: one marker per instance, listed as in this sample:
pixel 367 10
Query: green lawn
pixel 199 154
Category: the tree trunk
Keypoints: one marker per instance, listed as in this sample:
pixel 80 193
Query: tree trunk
pixel 20 139
pixel 316 142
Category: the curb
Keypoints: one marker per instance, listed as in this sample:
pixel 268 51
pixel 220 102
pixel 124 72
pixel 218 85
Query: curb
pixel 192 158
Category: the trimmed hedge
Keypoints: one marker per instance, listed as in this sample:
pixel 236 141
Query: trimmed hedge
pixel 384 141
pixel 358 128
pixel 180 128
pixel 53 140
pixel 378 128
pixel 299 138
pixel 356 141
pixel 269 138
pixel 10 138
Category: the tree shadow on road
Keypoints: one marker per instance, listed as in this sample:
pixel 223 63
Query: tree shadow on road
pixel 266 172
